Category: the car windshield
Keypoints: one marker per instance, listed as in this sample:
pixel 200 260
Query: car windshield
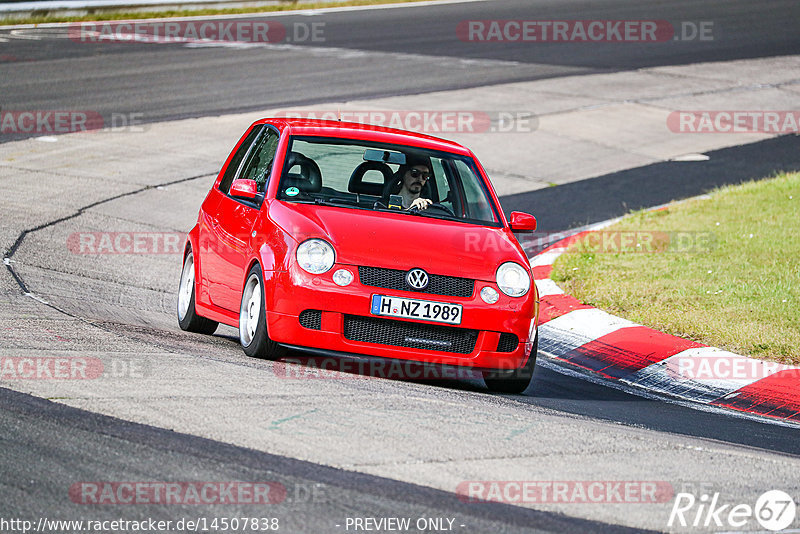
pixel 365 175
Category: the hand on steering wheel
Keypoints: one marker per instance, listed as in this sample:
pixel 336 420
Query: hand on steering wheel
pixel 420 203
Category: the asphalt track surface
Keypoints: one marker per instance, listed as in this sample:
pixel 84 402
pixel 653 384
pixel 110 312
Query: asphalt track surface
pixel 317 497
pixel 172 81
pixel 366 53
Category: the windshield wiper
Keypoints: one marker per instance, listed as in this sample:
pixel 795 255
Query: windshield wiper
pixel 335 201
pixel 321 201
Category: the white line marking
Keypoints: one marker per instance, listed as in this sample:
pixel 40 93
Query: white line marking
pixel 22 34
pixel 223 44
pixel 350 53
pixel 662 377
pixel 703 360
pixel 37 299
pixel 548 287
pixel 589 323
pixel 691 157
pixel 553 364
pixel 547 258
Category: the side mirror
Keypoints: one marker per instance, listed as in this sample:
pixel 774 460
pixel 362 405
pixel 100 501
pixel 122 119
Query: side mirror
pixel 522 222
pixel 243 188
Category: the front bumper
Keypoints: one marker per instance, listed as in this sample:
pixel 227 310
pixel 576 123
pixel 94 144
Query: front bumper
pixel 312 311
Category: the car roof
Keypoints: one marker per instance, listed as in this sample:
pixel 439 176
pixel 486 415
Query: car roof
pixel 366 132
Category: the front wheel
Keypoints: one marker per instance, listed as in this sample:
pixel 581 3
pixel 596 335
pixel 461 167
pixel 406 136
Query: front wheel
pixel 515 380
pixel 187 316
pixel 253 333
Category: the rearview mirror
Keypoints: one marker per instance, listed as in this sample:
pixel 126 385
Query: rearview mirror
pixel 522 222
pixel 372 154
pixel 244 188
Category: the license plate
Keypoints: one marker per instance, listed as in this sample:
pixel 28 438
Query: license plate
pixel 440 312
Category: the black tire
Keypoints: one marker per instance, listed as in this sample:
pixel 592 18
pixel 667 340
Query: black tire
pixel 187 315
pixel 516 380
pixel 253 334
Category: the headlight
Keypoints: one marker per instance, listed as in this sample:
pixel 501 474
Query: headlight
pixel 513 279
pixel 315 256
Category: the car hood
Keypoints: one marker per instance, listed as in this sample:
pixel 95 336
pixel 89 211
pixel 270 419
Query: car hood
pixel 401 241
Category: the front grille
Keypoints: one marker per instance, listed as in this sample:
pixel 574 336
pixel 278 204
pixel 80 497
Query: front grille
pixel 411 335
pixel 508 343
pixel 311 319
pixel 451 286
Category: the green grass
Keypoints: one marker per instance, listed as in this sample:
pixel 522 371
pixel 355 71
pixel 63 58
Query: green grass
pixel 112 15
pixel 726 273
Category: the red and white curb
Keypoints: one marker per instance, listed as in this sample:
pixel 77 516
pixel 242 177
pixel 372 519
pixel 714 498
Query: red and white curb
pixel 592 343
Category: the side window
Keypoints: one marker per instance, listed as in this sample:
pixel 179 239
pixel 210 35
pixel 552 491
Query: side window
pixel 259 161
pixel 478 206
pixel 236 160
pixel 442 187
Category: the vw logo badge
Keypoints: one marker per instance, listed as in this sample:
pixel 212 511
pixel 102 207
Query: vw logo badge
pixel 417 279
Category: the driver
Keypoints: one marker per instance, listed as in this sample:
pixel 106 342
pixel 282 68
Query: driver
pixel 411 178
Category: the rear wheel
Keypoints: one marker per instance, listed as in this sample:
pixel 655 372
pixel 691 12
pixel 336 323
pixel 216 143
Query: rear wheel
pixel 514 380
pixel 253 333
pixel 187 316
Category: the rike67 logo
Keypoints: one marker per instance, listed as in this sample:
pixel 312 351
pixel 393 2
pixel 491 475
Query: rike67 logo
pixel 774 510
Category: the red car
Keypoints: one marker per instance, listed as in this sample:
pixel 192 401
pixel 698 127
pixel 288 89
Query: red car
pixel 305 241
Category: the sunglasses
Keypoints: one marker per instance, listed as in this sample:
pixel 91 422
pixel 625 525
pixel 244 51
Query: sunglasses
pixel 416 173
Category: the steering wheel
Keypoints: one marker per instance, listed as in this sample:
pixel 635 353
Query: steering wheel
pixel 442 207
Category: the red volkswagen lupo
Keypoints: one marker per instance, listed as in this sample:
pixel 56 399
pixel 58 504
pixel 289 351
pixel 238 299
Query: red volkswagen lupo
pixel 302 242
